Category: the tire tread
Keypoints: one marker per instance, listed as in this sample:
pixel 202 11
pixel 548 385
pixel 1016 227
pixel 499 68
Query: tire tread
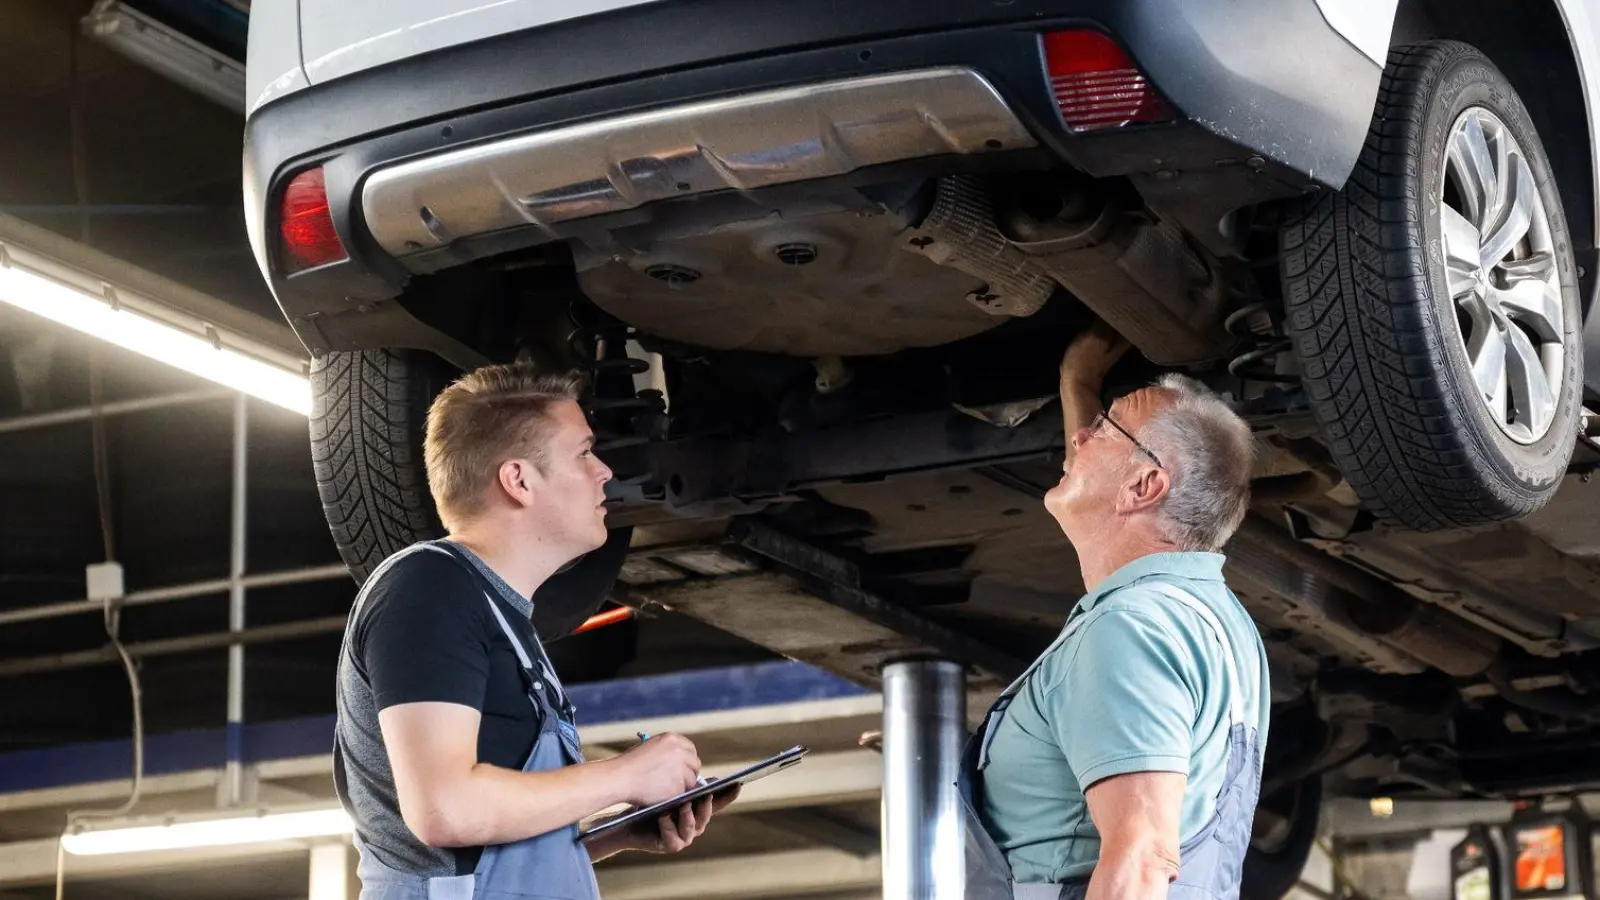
pixel 1354 286
pixel 366 455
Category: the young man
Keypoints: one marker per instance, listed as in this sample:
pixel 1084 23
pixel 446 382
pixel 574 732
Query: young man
pixel 457 751
pixel 1126 762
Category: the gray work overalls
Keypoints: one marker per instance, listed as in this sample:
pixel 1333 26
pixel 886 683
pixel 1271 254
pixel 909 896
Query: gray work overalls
pixel 551 866
pixel 1211 861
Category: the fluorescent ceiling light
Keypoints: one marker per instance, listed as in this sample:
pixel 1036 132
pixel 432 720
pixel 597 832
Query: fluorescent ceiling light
pixel 77 300
pixel 209 832
pixel 188 62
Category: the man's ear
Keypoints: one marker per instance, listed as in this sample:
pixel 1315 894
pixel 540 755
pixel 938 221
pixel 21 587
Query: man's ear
pixel 1144 489
pixel 519 482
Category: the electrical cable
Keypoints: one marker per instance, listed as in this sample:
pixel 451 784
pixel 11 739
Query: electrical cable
pixel 113 626
pixel 113 622
pixel 102 470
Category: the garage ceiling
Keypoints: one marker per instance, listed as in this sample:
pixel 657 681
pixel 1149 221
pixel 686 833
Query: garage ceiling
pixel 102 151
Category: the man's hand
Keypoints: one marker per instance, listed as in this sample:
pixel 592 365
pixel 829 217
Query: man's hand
pixel 662 767
pixel 1083 369
pixel 670 833
pixel 1138 817
pixel 1092 354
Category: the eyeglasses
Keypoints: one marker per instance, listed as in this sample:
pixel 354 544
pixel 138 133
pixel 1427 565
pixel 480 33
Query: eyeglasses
pixel 1106 418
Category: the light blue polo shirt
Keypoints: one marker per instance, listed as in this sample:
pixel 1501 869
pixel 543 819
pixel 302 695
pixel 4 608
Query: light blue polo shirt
pixel 1140 686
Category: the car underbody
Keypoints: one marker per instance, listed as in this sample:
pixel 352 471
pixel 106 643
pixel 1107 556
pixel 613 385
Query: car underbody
pixel 825 444
pixel 1435 660
pixel 822 315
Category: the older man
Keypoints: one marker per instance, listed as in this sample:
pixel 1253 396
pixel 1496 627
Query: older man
pixel 1126 762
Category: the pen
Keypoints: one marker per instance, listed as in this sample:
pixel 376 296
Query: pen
pixel 700 780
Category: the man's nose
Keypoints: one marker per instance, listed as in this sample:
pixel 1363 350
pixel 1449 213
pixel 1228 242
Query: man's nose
pixel 1080 437
pixel 604 473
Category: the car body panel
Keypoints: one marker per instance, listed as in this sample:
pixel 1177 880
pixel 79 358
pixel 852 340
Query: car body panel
pixel 343 37
pixel 1366 24
pixel 273 68
pixel 1251 107
pixel 1582 18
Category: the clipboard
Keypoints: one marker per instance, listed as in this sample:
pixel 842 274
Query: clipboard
pixel 762 769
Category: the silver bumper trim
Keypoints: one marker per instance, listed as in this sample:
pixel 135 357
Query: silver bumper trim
pixel 740 143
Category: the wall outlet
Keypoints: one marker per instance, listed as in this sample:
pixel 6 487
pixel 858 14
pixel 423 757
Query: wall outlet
pixel 105 581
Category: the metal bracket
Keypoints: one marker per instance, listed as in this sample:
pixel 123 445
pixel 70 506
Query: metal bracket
pixel 696 472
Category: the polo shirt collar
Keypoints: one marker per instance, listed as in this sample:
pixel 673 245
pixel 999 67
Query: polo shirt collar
pixel 1192 565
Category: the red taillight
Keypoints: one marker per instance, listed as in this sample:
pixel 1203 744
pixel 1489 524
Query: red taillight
pixel 1096 85
pixel 305 224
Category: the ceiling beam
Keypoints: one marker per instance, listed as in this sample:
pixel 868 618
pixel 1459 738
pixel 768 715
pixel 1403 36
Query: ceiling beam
pixel 785 874
pixel 858 773
pixel 823 778
pixel 97 791
pixel 819 826
pixel 34 862
pixel 725 720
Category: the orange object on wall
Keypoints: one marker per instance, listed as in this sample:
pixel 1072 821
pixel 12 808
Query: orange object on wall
pixel 1541 859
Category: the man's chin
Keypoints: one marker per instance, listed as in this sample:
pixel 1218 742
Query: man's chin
pixel 1055 503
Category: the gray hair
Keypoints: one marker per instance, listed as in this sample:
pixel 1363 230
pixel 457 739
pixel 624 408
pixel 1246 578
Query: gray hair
pixel 1209 454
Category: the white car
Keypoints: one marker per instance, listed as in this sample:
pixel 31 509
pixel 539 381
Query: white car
pixel 822 258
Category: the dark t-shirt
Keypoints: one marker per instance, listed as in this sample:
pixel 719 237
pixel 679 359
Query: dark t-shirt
pixel 422 631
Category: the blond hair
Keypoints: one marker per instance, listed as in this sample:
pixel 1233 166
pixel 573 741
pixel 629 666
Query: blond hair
pixel 482 419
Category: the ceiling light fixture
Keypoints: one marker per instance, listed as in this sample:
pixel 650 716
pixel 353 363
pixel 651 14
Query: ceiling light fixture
pixel 133 321
pixel 161 48
pixel 210 831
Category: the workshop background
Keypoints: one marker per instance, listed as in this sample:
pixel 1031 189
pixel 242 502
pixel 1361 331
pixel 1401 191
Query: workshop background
pixel 206 504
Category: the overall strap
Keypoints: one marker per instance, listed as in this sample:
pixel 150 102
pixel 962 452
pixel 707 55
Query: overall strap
pixel 516 644
pixel 484 586
pixel 1066 632
pixel 544 672
pixel 1236 701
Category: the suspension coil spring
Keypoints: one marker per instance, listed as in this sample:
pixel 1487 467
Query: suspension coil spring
pixel 1255 324
pixel 620 415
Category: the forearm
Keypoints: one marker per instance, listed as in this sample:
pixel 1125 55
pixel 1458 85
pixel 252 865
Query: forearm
pixel 1137 872
pixel 491 805
pixel 1083 370
pixel 1137 815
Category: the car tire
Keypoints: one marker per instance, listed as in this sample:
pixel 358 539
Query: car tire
pixel 1429 433
pixel 1270 872
pixel 369 409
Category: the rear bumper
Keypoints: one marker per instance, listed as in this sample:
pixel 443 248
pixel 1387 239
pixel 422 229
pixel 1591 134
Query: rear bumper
pixel 1270 98
pixel 549 177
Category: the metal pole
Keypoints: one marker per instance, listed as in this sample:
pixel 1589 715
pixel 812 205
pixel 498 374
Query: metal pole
pixel 261 634
pixel 924 727
pixel 189 643
pixel 123 407
pixel 234 771
pixel 177 592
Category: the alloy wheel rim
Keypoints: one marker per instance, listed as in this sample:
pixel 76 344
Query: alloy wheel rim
pixel 1500 269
